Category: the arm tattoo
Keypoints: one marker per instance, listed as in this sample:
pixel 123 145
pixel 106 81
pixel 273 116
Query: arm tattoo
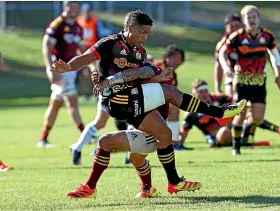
pixel 146 72
pixel 131 75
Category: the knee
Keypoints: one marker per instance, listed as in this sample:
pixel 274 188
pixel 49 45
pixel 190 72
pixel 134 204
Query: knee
pixel 165 137
pixel 257 121
pixel 108 143
pixel 137 160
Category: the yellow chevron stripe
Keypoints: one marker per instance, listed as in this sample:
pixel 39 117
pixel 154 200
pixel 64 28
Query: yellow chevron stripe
pixel 165 159
pixel 123 96
pixel 120 99
pixel 196 100
pixel 145 173
pixel 119 102
pixel 165 156
pixel 197 104
pixel 102 164
pixel 101 161
pixel 190 103
pixel 165 162
pixel 105 158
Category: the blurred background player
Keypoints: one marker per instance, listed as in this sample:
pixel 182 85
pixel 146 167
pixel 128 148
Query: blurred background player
pixel 93 30
pixel 4 167
pixel 251 44
pixel 215 134
pixel 232 23
pixel 173 57
pixel 62 40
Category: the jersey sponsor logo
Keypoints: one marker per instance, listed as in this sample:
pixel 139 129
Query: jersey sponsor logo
pixel 245 49
pixel 134 91
pixel 136 108
pixel 138 56
pixel 67 29
pixel 122 62
pixel 123 52
pixel 116 88
pixel 70 38
pixel 262 40
pixel 245 42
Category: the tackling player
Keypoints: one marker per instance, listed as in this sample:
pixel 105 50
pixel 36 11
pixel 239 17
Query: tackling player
pixel 127 99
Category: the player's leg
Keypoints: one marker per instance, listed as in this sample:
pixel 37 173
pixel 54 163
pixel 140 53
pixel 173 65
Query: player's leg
pixel 184 133
pixel 55 103
pixel 133 141
pixel 255 117
pixel 143 170
pixel 71 103
pixel 241 92
pixel 187 102
pixel 88 133
pixel 266 125
pixel 228 86
pixel 165 151
pixel 174 124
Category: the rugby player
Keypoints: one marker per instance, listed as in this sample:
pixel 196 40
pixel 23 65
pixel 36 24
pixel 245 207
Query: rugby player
pixel 125 98
pixel 251 44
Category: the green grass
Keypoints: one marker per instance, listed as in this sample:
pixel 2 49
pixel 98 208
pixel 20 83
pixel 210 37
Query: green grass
pixel 42 176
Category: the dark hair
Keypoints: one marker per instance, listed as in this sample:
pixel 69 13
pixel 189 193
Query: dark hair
pixel 172 50
pixel 138 18
pixel 232 17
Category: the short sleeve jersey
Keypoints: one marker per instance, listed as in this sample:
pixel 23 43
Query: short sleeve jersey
pixel 68 37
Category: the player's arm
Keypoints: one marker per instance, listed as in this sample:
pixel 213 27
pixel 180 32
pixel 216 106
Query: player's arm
pixel 230 46
pixel 218 76
pixel 274 58
pixel 186 127
pixel 48 44
pixel 145 72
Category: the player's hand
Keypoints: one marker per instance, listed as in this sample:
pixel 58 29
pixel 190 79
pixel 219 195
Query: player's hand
pixel 95 77
pixel 229 73
pixel 277 81
pixel 60 67
pixel 166 74
pixel 100 86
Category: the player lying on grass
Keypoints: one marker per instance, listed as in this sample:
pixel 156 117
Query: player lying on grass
pixel 122 62
pixel 215 134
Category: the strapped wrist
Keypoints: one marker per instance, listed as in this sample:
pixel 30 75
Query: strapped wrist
pixel 115 79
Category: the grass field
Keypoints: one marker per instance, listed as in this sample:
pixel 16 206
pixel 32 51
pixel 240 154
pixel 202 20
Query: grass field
pixel 42 176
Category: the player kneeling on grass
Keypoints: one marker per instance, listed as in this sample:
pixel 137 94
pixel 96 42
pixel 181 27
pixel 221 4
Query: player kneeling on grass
pixel 215 134
pixel 122 62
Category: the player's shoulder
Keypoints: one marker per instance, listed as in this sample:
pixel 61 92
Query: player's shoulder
pixel 236 33
pixel 221 43
pixel 267 31
pixel 56 22
pixel 110 38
